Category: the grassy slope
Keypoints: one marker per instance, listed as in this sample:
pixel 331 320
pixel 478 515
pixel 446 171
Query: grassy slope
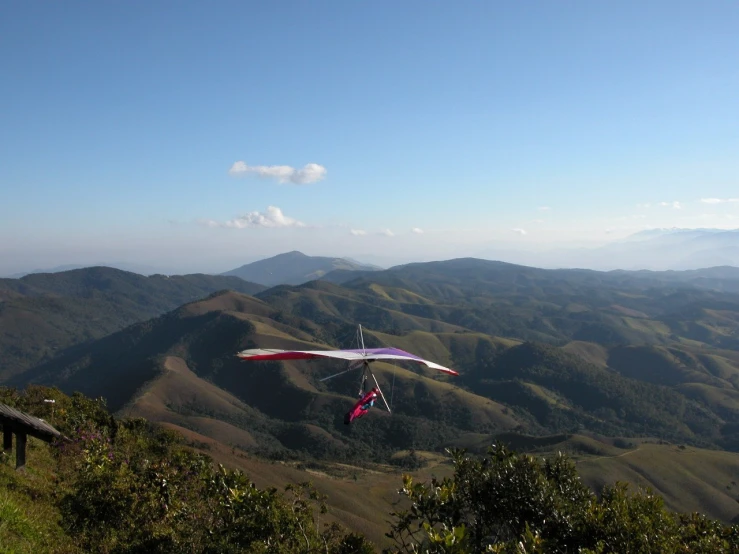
pixel 689 479
pixel 28 520
pixel 170 399
pixel 595 354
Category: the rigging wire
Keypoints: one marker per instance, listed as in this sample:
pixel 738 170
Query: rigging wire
pixel 392 387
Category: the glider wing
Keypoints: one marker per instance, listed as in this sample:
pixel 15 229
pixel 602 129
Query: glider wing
pixel 369 355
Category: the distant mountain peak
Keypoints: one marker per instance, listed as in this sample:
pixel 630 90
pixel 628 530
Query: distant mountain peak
pixel 291 254
pixel 295 268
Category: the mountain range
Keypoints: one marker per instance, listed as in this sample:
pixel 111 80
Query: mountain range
pixel 637 373
pixel 666 249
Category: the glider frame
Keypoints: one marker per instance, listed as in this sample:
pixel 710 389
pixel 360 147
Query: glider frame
pixel 365 371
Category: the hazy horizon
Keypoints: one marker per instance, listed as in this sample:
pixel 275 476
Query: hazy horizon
pixel 202 137
pixel 221 260
pixel 617 254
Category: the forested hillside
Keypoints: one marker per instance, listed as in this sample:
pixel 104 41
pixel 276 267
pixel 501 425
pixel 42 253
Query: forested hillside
pixel 42 314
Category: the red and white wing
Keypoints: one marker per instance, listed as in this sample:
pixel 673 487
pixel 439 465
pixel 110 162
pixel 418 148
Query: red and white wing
pixel 369 355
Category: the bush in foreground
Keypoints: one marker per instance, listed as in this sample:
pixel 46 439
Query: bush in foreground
pixel 513 503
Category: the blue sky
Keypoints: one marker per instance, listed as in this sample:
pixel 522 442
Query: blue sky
pixel 121 122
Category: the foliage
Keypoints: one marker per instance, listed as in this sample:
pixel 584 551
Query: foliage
pixel 127 486
pixel 511 503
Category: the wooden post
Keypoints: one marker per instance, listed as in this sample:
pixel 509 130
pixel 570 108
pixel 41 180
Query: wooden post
pixel 20 450
pixel 7 438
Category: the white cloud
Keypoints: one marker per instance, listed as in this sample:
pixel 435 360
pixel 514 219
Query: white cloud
pixel 674 204
pixel 543 208
pixel 358 232
pixel 718 200
pixel 272 218
pixel 417 231
pixel 309 173
pixel 647 205
pixel 238 168
pixel 519 231
pixel 387 233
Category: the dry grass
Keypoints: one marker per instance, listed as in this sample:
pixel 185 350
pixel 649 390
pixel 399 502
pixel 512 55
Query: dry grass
pixel 647 326
pixel 720 400
pixel 628 311
pixel 689 479
pixel 399 295
pixel 588 351
pixel 230 302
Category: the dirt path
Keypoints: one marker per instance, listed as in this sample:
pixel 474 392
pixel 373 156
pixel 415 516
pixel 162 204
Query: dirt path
pixel 603 457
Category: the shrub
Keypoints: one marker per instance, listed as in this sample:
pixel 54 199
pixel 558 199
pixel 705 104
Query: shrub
pixel 506 502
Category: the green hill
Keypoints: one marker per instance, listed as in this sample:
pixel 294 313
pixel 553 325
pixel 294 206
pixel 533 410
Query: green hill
pixel 42 314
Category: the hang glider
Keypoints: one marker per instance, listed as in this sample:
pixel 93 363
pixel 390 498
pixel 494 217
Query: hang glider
pixel 360 357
